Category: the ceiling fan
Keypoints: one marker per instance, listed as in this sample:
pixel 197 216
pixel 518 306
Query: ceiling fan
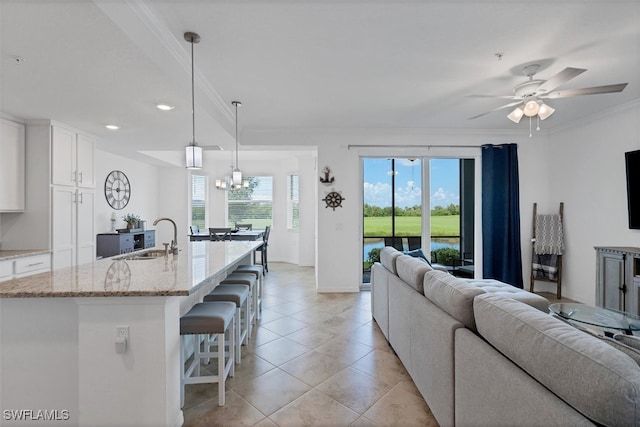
pixel 528 96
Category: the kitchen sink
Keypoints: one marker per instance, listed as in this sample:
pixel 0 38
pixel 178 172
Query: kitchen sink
pixel 150 254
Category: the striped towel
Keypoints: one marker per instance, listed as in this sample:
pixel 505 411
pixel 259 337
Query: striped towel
pixel 549 235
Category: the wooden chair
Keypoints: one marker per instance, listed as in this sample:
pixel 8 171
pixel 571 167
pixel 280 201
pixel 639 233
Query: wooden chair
pixel 219 234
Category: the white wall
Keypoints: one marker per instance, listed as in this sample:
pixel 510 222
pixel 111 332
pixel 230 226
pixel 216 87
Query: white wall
pixel 293 246
pixel 144 191
pixel 587 173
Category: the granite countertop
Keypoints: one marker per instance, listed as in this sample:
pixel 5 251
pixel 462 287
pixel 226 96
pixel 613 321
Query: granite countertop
pixel 174 275
pixel 6 255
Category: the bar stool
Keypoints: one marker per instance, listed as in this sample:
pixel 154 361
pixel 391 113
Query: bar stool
pixel 248 279
pixel 208 321
pixel 238 294
pixel 258 271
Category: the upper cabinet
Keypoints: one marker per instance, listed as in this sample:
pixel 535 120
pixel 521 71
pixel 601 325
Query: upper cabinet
pixel 12 163
pixel 72 158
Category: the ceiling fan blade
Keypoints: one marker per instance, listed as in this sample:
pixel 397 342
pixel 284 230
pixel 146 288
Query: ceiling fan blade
pixel 586 91
pixel 494 96
pixel 513 104
pixel 560 78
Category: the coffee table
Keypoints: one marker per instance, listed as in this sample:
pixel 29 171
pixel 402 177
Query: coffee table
pixel 597 316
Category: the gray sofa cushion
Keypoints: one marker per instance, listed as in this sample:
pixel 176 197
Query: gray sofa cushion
pixel 388 256
pixel 496 287
pixel 411 270
pixel 453 295
pixel 600 382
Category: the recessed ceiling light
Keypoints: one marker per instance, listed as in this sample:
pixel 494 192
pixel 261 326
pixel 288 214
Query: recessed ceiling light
pixel 112 127
pixel 165 107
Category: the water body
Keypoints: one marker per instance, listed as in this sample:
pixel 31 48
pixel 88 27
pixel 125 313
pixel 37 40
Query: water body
pixel 435 244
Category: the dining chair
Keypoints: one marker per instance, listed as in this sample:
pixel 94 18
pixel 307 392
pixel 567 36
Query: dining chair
pixel 263 248
pixel 219 234
pixel 246 227
pixel 195 229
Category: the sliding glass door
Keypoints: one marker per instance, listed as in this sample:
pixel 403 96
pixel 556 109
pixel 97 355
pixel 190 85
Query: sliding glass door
pixel 395 198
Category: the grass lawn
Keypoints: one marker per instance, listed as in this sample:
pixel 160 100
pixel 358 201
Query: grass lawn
pixel 411 225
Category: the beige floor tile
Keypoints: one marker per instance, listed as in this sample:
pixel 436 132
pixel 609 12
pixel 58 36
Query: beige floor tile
pixel 285 326
pixel 313 316
pixel 269 315
pixel 265 422
pixel 272 390
pixel 409 386
pixel 313 367
pixel 354 389
pixel 385 366
pixel 289 308
pixel 369 334
pixel 314 409
pixel 344 350
pixel 235 412
pixel 399 408
pixel 312 336
pixel 363 422
pixel 280 351
pixel 251 366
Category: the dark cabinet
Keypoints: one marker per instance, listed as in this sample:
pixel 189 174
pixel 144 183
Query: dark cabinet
pixel 111 244
pixel 618 278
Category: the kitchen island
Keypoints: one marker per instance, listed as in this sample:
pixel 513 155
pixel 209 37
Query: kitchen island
pixel 58 330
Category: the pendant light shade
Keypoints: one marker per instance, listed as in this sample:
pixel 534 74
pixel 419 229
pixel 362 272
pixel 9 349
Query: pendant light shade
pixel 193 151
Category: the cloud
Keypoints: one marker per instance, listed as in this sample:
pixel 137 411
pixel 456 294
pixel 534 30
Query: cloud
pixel 379 194
pixel 441 198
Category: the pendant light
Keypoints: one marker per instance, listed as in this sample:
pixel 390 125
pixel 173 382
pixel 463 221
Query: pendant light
pixel 236 175
pixel 193 151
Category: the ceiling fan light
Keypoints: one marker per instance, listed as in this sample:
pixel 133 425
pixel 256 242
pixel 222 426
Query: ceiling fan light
pixel 193 156
pixel 545 111
pixel 516 115
pixel 531 108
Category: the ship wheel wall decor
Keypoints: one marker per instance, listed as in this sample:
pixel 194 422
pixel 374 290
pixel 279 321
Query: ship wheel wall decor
pixel 333 200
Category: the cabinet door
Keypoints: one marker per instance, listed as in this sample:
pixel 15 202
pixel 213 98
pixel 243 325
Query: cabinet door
pixel 6 270
pixel 63 157
pixel 86 246
pixel 11 166
pixel 611 280
pixel 86 160
pixel 63 227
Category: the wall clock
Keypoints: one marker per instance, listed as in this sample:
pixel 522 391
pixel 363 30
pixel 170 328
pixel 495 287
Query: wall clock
pixel 117 189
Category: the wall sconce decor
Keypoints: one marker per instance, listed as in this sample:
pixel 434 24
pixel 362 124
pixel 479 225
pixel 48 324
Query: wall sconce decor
pixel 326 179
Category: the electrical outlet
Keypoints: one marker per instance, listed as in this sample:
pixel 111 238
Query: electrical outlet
pixel 122 332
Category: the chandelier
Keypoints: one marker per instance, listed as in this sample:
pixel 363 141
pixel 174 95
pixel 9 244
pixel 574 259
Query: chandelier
pixel 235 181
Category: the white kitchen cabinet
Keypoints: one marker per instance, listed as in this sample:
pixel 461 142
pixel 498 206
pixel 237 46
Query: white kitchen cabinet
pixel 23 266
pixel 59 195
pixel 12 166
pixel 73 236
pixel 72 158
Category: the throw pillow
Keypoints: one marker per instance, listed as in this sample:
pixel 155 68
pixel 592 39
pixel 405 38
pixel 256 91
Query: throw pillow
pixel 417 253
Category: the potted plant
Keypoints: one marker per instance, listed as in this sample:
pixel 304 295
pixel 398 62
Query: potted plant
pixel 131 220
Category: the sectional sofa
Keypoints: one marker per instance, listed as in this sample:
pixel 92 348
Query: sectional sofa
pixel 483 353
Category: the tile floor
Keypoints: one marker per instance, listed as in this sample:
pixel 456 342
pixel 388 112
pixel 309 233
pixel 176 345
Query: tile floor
pixel 314 360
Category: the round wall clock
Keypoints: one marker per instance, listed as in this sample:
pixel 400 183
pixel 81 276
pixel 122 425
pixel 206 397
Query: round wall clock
pixel 117 189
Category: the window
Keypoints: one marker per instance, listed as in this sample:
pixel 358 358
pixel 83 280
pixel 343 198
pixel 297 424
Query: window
pixel 199 200
pixel 293 203
pixel 252 205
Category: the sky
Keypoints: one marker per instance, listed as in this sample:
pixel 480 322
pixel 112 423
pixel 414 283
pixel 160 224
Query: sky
pixel 444 176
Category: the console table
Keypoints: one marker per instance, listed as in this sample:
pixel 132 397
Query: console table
pixel 110 244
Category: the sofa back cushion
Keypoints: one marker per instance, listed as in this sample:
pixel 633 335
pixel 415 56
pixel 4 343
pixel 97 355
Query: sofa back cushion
pixel 388 256
pixel 411 270
pixel 594 378
pixel 452 295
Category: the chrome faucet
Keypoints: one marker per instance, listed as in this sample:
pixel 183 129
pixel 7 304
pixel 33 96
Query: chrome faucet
pixel 174 242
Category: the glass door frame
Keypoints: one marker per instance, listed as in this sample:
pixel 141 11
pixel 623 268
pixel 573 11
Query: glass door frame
pixel 424 154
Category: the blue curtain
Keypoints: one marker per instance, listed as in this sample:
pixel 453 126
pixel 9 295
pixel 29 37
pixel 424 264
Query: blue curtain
pixel 502 258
